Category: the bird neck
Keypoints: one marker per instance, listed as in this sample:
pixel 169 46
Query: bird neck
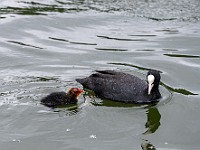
pixel 72 98
pixel 155 92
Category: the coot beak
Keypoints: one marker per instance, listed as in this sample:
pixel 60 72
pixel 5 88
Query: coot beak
pixel 150 88
pixel 80 91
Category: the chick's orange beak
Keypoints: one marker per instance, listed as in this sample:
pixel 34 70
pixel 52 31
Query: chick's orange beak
pixel 80 90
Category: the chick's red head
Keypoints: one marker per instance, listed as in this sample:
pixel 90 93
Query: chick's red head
pixel 74 92
pixel 77 90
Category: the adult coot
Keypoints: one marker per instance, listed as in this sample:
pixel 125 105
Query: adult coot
pixel 62 98
pixel 119 86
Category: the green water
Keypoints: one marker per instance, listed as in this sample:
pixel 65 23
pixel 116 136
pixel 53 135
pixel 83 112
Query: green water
pixel 46 45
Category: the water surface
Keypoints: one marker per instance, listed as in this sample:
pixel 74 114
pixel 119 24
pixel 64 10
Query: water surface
pixel 45 46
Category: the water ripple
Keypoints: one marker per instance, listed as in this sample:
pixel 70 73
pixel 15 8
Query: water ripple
pixel 58 39
pixel 112 49
pixel 23 44
pixel 182 55
pixel 71 42
pixel 120 39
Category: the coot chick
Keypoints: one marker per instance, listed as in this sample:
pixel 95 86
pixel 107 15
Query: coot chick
pixel 62 98
pixel 123 87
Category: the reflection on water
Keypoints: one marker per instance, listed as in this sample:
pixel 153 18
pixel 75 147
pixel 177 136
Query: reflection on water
pixel 182 55
pixel 66 110
pixel 152 125
pixel 162 19
pixel 181 91
pixel 58 39
pixel 145 50
pixel 62 111
pixel 130 65
pixel 109 103
pixel 111 49
pixel 34 8
pixel 169 31
pixel 147 146
pixel 23 44
pixel 153 120
pixel 143 35
pixel 119 39
pixel 71 42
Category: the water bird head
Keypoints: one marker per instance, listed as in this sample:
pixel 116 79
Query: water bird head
pixel 153 79
pixel 74 92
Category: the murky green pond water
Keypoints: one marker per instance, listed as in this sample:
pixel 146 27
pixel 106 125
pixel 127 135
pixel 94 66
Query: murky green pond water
pixel 46 45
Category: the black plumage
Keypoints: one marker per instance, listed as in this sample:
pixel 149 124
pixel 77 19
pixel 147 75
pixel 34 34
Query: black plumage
pixel 62 98
pixel 119 86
